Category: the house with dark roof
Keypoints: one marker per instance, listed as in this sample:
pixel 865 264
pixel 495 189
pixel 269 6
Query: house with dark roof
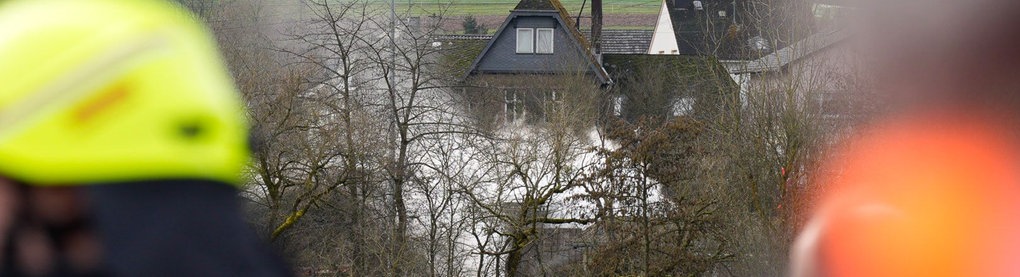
pixel 539 54
pixel 623 41
pixel 700 27
pixel 783 58
pixel 667 86
pixel 819 70
pixel 797 46
pixel 733 30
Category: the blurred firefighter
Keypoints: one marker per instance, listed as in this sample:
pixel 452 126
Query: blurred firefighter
pixel 122 141
pixel 932 188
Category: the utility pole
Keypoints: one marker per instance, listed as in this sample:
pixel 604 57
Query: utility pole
pixel 596 28
pixel 734 15
pixel 393 30
pixel 394 247
pixel 577 22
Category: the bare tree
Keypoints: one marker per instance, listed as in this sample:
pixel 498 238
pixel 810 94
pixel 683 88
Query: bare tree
pixel 532 169
pixel 359 122
pixel 315 130
pixel 371 159
pixel 792 102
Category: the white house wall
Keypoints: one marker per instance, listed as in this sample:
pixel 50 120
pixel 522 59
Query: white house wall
pixel 663 39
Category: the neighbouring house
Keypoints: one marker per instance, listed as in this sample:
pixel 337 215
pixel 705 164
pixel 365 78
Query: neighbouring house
pixel 730 29
pixel 798 50
pixel 623 41
pixel 668 86
pixel 737 31
pixel 820 70
pixel 539 55
pixel 705 27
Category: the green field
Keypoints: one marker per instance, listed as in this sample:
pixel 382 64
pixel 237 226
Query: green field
pixel 620 14
pixel 502 7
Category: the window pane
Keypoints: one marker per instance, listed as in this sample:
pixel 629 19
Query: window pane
pixel 544 41
pixel 511 106
pixel 618 105
pixel 525 40
pixel 515 109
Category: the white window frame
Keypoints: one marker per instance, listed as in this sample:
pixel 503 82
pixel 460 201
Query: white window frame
pixel 513 109
pixel 553 103
pixel 531 47
pixel 552 39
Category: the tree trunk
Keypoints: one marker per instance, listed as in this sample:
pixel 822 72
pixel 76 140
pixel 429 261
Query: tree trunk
pixel 513 262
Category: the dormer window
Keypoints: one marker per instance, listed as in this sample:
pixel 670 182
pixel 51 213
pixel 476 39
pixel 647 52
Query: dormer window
pixel 535 40
pixel 525 40
pixel 544 41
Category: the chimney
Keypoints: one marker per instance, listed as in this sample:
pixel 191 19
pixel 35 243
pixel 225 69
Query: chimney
pixel 596 28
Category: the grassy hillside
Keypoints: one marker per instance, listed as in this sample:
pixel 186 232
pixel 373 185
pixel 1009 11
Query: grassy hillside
pixel 459 8
pixel 620 14
pixel 501 7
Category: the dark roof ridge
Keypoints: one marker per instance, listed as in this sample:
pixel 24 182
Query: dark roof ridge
pixel 546 6
pixel 818 41
pixel 549 5
pixel 535 11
